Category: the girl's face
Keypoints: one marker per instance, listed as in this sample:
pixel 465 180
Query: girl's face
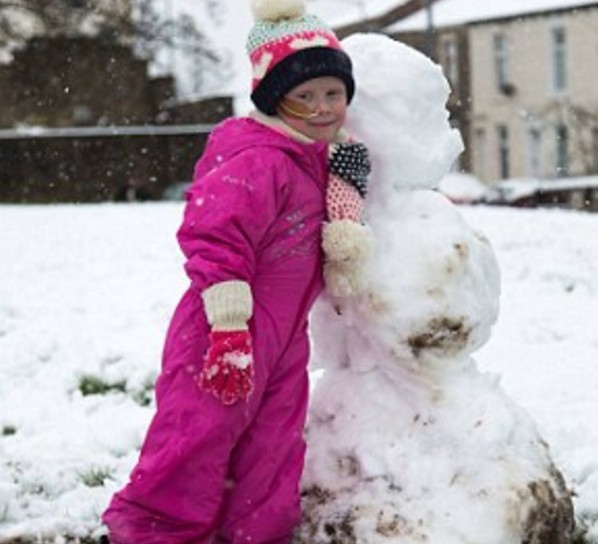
pixel 316 108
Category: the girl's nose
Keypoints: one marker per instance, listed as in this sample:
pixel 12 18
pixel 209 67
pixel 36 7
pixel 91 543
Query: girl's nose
pixel 323 106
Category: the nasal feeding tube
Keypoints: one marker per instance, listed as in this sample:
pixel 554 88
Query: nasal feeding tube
pixel 296 109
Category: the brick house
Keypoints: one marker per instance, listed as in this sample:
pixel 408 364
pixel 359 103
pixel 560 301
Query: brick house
pixel 535 107
pixel 524 95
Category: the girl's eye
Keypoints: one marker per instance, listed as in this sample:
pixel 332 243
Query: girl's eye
pixel 336 94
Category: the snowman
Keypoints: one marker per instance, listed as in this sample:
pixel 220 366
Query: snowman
pixel 408 441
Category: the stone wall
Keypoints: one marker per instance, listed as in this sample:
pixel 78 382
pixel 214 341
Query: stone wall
pixel 94 168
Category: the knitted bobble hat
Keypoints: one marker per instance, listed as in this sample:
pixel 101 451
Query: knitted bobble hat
pixel 288 46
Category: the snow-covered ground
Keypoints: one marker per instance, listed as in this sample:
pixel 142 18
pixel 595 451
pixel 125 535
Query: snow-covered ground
pixel 86 292
pixel 545 344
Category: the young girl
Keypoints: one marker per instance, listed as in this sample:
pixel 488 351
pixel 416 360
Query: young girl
pixel 223 456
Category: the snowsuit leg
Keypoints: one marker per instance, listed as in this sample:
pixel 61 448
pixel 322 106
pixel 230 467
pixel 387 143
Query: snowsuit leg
pixel 262 505
pixel 175 491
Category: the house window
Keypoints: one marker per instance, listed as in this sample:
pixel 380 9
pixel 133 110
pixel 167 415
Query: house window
pixel 479 151
pixel 562 151
pixel 503 152
pixel 595 150
pixel 534 150
pixel 559 59
pixel 500 61
pixel 451 60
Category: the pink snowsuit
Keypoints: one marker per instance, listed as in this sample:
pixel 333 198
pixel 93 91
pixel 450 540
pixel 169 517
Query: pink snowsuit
pixel 230 474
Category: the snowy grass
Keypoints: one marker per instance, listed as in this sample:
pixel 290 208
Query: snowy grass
pixel 85 296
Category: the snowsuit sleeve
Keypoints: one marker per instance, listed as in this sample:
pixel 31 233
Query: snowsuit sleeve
pixel 229 210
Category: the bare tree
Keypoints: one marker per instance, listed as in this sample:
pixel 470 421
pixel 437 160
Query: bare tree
pixel 20 20
pixel 147 28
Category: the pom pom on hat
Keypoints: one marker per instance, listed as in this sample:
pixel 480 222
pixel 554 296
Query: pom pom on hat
pixel 277 10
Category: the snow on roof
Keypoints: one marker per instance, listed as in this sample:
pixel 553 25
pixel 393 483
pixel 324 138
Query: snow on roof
pixel 461 187
pixel 569 183
pixel 458 12
pixel 514 189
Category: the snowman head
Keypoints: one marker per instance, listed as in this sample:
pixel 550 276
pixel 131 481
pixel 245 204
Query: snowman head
pixel 399 111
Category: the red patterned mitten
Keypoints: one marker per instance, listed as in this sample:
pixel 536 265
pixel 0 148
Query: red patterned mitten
pixel 228 366
pixel 343 200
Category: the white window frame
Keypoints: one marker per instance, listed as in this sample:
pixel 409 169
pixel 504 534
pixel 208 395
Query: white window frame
pixel 501 60
pixel 450 48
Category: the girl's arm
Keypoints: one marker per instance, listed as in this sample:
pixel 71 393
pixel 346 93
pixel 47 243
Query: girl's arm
pixel 228 211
